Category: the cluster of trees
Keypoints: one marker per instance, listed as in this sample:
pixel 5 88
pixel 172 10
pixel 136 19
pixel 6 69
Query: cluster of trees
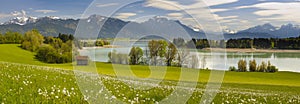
pixel 159 52
pixel 199 43
pixel 11 38
pixel 254 67
pixel 49 49
pixel 98 43
pixel 56 49
pixel 32 40
pixel 263 43
pixel 118 58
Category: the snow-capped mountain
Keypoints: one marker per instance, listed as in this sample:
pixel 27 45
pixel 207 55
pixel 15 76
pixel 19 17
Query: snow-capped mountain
pixel 52 26
pixel 229 31
pixel 21 20
pixel 267 31
pixel 26 20
pixel 265 28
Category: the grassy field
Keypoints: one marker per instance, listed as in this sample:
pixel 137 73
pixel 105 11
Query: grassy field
pixel 13 53
pixel 42 83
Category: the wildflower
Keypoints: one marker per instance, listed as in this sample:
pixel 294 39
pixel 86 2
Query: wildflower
pixel 113 97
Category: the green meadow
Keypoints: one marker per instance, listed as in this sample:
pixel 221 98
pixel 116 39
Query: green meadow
pixel 26 80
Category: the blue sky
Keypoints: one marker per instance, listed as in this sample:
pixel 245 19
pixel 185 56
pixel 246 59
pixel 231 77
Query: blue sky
pixel 231 14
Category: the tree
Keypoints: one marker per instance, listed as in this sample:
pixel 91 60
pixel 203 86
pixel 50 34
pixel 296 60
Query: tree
pixel 136 53
pixel 32 40
pixel 262 67
pixel 252 65
pixel 242 66
pixel 195 62
pixel 65 37
pixel 157 49
pixel 170 54
pixel 12 37
pixel 47 54
pixel 179 42
pixel 112 56
pixel 182 56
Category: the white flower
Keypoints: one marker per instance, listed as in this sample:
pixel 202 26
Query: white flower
pixel 113 97
pixel 56 97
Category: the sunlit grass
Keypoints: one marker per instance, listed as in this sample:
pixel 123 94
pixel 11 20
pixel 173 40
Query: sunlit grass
pixel 44 83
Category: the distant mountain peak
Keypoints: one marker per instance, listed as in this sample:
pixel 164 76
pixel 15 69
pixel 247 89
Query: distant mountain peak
pixel 21 20
pixel 265 28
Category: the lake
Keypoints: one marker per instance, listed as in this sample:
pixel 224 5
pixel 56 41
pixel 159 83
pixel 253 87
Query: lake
pixel 215 60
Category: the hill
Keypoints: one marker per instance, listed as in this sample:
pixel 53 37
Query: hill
pixel 13 53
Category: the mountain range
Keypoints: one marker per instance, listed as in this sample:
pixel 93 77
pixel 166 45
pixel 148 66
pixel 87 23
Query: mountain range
pixel 113 27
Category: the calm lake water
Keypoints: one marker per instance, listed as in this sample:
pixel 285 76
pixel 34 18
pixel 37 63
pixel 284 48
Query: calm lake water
pixel 215 60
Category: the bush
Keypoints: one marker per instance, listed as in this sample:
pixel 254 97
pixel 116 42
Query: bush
pixel 271 68
pixel 232 68
pixel 49 54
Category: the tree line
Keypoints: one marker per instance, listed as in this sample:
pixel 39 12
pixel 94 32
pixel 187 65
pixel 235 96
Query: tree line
pixel 263 43
pixel 11 38
pixel 258 43
pixel 254 67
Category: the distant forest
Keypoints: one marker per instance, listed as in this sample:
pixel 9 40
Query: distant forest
pixel 257 43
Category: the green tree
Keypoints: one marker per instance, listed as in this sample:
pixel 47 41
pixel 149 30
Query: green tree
pixel 32 40
pixel 242 66
pixel 263 67
pixel 170 54
pixel 136 53
pixel 47 54
pixel 157 49
pixel 252 65
pixel 13 37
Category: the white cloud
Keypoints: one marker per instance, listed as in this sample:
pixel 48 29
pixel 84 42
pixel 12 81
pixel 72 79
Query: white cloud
pixel 202 14
pixel 175 15
pixel 45 11
pixel 125 15
pixel 218 2
pixel 163 4
pixel 218 10
pixel 107 5
pixel 284 11
pixel 18 13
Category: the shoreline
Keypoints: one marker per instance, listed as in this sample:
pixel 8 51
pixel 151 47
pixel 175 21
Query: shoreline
pixel 248 50
pixel 99 47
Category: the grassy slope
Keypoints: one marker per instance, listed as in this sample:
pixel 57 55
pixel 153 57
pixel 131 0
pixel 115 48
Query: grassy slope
pixel 12 53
